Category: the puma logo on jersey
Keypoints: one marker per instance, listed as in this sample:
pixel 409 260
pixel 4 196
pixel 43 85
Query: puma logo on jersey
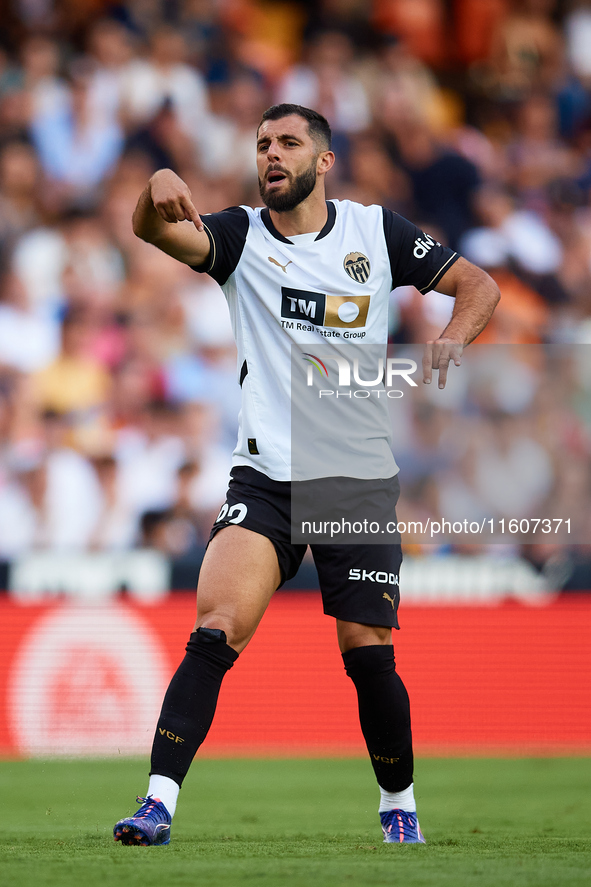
pixel 422 247
pixel 279 265
pixel 388 598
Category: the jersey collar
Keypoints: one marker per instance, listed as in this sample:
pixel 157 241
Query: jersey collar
pixel 329 224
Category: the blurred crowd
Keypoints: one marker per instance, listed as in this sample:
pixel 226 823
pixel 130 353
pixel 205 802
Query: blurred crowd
pixel 506 447
pixel 118 384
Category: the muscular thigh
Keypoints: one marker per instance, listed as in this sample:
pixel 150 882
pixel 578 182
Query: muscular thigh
pixel 238 576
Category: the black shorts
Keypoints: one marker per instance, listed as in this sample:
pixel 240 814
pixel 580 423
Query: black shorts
pixel 359 583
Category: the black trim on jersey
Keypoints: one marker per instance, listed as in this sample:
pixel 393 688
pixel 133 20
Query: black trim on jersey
pixel 330 221
pixel 415 258
pixel 227 232
pixel 266 220
pixel 326 229
pixel 243 373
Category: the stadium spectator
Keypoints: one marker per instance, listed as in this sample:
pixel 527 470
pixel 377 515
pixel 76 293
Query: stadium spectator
pixel 56 498
pixel 527 51
pixel 149 456
pixel 74 381
pixel 111 53
pixel 513 472
pixel 577 32
pixel 47 93
pixel 537 156
pixel 420 23
pixel 399 79
pixel 179 530
pixel 20 207
pixel 116 527
pixel 224 140
pixel 443 182
pixel 375 178
pixel 77 149
pixel 328 82
pixel 163 74
pixel 75 385
pixel 524 233
pixel 522 316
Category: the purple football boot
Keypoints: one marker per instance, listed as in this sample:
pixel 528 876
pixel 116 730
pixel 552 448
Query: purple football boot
pixel 149 827
pixel 401 827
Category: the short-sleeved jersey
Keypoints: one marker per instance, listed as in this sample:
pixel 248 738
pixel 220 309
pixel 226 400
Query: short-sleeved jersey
pixel 280 292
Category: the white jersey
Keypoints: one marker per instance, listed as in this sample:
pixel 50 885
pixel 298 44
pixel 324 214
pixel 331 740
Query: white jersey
pixel 334 286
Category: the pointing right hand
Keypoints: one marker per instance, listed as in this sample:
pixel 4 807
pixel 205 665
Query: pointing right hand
pixel 172 198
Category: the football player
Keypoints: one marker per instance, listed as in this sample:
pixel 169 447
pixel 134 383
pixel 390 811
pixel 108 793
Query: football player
pixel 295 271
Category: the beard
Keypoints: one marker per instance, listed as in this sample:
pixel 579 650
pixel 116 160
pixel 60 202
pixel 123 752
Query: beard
pixel 300 188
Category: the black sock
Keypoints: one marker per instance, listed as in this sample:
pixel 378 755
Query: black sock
pixel 190 702
pixel 384 714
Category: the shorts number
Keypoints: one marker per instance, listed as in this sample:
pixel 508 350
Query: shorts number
pixel 232 514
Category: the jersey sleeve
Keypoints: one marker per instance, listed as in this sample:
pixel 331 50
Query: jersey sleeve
pixel 415 258
pixel 227 232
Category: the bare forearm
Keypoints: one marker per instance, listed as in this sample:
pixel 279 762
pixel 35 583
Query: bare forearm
pixel 166 216
pixel 147 223
pixel 476 297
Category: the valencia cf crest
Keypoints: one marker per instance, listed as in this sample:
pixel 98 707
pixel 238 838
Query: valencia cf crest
pixel 357 267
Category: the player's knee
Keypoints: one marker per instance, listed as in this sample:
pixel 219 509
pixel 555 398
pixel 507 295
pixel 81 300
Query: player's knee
pixel 237 632
pixel 211 644
pixel 354 634
pixel 365 662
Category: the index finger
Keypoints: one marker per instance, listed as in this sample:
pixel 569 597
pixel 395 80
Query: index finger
pixel 191 214
pixel 427 363
pixel 443 368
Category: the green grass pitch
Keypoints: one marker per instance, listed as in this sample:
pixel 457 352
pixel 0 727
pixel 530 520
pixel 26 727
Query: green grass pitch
pixel 300 823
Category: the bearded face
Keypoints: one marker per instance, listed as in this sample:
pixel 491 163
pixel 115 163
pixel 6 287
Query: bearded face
pixel 282 191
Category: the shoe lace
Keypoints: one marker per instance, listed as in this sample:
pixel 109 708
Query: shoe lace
pixel 150 809
pixel 397 817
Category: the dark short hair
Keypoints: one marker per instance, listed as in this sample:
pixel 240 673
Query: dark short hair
pixel 318 126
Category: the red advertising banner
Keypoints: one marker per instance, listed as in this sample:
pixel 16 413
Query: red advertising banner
pixel 89 680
